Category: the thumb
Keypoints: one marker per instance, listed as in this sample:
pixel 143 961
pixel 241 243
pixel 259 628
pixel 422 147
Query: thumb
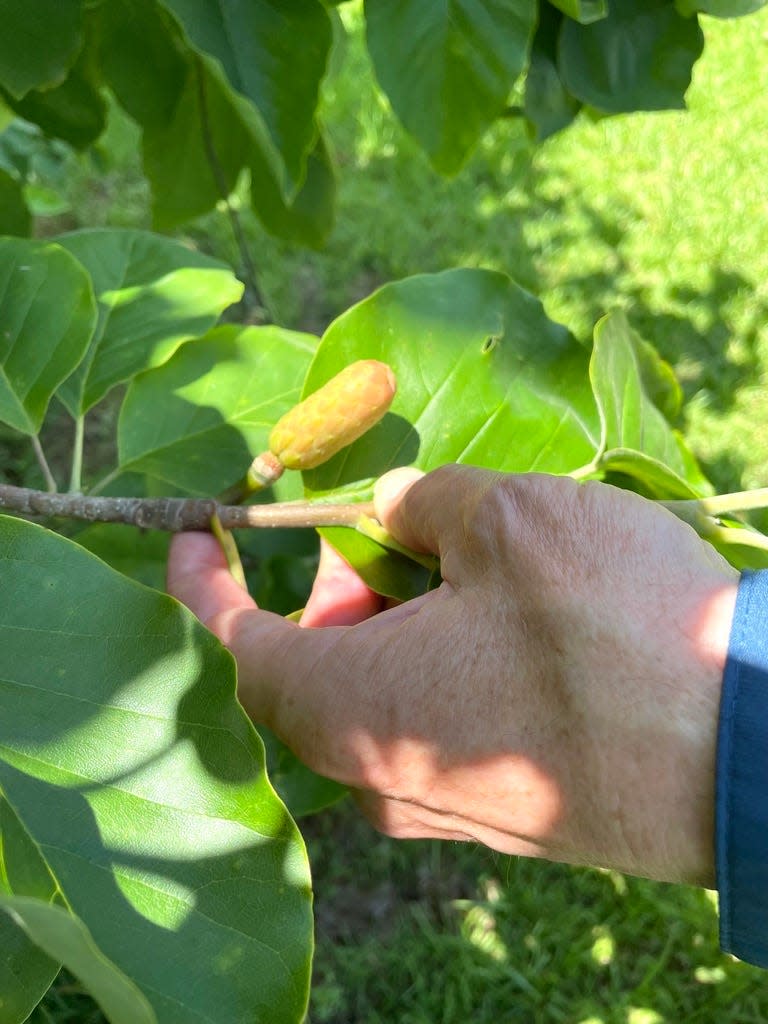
pixel 430 513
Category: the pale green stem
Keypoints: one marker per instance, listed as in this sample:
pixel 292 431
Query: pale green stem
pixel 42 462
pixel 731 535
pixel 105 481
pixel 591 471
pixel 75 480
pixel 229 547
pixel 723 504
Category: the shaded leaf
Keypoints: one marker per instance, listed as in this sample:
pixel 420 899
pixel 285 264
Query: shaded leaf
pixel 143 60
pixel 585 11
pixel 308 218
pixel 196 159
pixel 15 218
pixel 38 44
pixel 172 850
pixel 636 438
pixel 153 295
pixel 548 105
pixel 198 421
pixel 26 972
pixel 273 53
pixel 47 318
pixel 74 110
pixel 638 58
pixel 59 934
pixel 303 791
pixel 448 67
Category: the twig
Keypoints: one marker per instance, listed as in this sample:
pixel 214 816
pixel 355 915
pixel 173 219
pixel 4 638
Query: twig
pixel 179 514
pixel 722 504
pixel 217 170
pixel 42 462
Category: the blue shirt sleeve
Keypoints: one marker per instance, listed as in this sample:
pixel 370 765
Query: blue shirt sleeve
pixel 741 801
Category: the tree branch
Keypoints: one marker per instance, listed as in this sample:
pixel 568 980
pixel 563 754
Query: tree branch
pixel 179 514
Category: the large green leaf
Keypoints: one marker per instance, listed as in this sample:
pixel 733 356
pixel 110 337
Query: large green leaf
pixel 273 52
pixel 199 420
pixel 25 971
pixel 128 760
pixel 62 937
pixel 15 218
pixel 153 293
pixel 39 42
pixel 548 105
pixel 636 440
pixel 585 11
pixel 142 59
pixel 483 376
pixel 448 66
pixel 638 58
pixel 196 158
pixel 47 317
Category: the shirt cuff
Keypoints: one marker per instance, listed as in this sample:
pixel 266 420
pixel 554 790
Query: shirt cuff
pixel 741 801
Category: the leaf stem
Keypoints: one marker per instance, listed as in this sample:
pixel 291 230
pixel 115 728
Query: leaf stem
pixel 42 462
pixel 723 504
pixel 75 479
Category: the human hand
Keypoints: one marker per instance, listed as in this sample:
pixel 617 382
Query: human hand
pixel 556 696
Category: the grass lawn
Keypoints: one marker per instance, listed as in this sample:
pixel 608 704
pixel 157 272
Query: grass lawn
pixel 665 215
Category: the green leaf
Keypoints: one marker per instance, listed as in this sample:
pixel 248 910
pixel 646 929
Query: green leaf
pixel 143 60
pixel 15 218
pixel 303 791
pixel 448 66
pixel 548 106
pixel 638 58
pixel 47 317
pixel 585 11
pixel 38 44
pixel 195 160
pixel 59 934
pixel 636 438
pixel 384 571
pixel 483 376
pixel 154 294
pixel 198 421
pixel 74 110
pixel 720 8
pixel 308 218
pixel 140 554
pixel 274 53
pixel 127 758
pixel 26 972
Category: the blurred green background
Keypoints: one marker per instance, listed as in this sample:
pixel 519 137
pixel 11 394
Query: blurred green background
pixel 664 215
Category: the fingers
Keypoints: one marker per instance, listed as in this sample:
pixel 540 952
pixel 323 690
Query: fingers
pixel 339 597
pixel 199 577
